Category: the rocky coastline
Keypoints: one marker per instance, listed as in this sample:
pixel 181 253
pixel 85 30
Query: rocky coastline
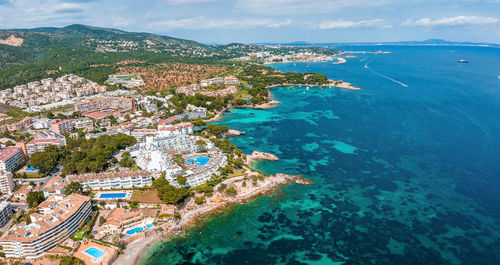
pixel 191 213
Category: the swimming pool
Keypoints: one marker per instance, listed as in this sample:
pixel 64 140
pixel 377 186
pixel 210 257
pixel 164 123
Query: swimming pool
pixel 95 252
pixel 200 161
pixel 135 230
pixel 138 229
pixel 30 168
pixel 113 195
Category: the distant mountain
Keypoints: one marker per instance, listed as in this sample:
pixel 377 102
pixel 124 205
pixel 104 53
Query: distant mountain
pixel 424 42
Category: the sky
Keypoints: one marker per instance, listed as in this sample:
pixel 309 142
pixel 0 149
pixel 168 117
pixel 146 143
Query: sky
pixel 252 21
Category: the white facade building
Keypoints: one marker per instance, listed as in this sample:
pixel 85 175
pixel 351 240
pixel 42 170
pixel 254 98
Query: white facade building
pixel 112 180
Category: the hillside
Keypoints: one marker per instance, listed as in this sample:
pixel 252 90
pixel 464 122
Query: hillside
pixel 92 52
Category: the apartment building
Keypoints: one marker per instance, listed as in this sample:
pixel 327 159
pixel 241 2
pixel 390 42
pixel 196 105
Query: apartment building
pixel 112 180
pixel 43 139
pixel 62 126
pixel 11 158
pixel 5 211
pixel 97 104
pixel 56 185
pixel 181 128
pixel 6 183
pixel 84 123
pixel 54 221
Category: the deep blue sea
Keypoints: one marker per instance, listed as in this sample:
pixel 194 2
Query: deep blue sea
pixel 406 171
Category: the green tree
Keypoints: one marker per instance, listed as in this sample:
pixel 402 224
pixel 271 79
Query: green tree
pixel 34 198
pixel 73 187
pixel 181 180
pixel 69 260
pixel 231 191
pixel 168 193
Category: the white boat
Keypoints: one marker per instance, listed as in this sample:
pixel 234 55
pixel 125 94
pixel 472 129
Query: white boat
pixel 307 88
pixel 303 92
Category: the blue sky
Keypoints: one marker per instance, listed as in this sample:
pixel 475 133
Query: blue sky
pixel 248 21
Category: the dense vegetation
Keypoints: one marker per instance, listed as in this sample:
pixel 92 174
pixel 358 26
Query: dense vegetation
pixel 259 78
pixel 81 155
pixel 69 260
pixel 34 198
pixel 168 193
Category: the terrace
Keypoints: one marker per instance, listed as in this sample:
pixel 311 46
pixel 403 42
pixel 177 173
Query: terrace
pixel 92 253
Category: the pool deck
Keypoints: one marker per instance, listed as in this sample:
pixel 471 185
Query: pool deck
pixel 110 253
pixel 128 195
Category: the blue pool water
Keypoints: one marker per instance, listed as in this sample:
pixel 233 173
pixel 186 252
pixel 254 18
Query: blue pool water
pixel 135 230
pixel 113 195
pixel 149 225
pixel 30 168
pixel 200 161
pixel 94 252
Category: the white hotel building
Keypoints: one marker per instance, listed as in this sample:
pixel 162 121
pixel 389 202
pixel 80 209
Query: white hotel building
pixel 56 220
pixel 113 180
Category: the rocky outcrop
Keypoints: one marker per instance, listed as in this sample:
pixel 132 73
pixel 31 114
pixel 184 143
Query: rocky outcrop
pixel 12 41
pixel 257 155
pixel 234 133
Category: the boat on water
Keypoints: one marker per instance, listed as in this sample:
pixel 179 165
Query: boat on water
pixel 303 92
pixel 307 88
pixel 462 61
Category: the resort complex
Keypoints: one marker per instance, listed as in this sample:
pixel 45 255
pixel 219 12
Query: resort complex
pixel 157 152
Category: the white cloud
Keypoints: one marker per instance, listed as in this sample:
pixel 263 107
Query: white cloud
pixel 286 7
pixel 452 21
pixel 208 23
pixel 280 24
pixel 344 24
pixel 180 2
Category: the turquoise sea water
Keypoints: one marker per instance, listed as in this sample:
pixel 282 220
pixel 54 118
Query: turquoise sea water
pixel 403 174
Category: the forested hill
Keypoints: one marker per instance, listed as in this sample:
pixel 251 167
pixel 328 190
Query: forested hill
pixel 33 54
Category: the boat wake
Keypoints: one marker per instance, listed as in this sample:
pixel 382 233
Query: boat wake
pixel 386 77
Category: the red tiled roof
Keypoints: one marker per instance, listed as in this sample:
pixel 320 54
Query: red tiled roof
pixel 9 152
pixel 96 114
pixel 61 121
pixel 144 131
pixel 168 120
pixel 46 141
